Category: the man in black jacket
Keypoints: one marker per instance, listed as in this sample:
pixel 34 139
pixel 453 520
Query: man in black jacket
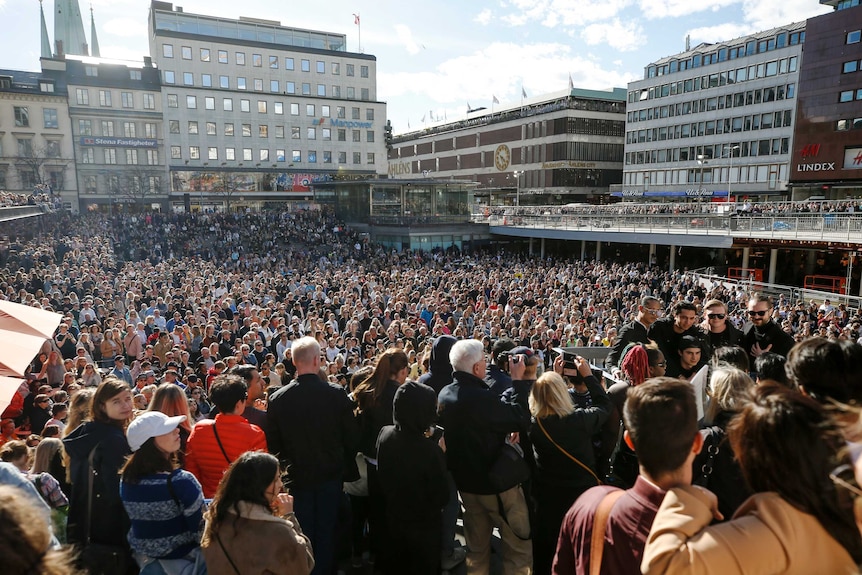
pixel 649 311
pixel 669 331
pixel 311 429
pixel 477 424
pixel 760 334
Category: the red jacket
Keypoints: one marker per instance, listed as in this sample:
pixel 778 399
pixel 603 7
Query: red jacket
pixel 204 457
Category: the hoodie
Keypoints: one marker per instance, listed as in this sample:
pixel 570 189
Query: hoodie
pixel 439 366
pixel 411 467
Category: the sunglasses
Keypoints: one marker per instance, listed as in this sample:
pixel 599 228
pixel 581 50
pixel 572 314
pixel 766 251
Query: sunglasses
pixel 661 364
pixel 759 313
pixel 716 315
pixel 654 311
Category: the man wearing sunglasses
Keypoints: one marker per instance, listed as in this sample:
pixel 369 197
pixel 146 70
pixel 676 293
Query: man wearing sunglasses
pixel 760 334
pixel 719 331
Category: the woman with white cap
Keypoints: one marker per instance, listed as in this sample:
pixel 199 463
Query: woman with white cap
pixel 165 503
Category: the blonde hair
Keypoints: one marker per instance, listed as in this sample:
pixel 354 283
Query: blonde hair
pixel 45 453
pixel 729 389
pixel 79 409
pixel 550 396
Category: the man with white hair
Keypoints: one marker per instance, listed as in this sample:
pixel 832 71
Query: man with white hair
pixel 477 424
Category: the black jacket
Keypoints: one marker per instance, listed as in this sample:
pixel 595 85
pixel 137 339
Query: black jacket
pixel 634 332
pixel 667 339
pixel 476 423
pixel 373 418
pixel 311 429
pixel 439 368
pixel 109 523
pixel 730 336
pixel 769 334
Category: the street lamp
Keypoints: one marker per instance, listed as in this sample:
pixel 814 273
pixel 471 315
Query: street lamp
pixel 518 174
pixel 701 161
pixel 730 169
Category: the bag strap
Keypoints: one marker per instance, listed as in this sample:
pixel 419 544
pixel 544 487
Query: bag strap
pixel 600 523
pixel 223 452
pixel 232 564
pixel 566 453
pixel 91 472
pixel 712 446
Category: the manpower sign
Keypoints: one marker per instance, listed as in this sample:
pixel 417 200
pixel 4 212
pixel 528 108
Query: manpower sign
pixel 339 123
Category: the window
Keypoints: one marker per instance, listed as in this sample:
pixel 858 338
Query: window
pixel 212 153
pixel 279 156
pixel 261 106
pixel 357 135
pixel 369 136
pixel 228 129
pixel 90 183
pixel 129 129
pixel 278 108
pixel 273 86
pixel 273 62
pixel 258 85
pixel 87 156
pixel 340 112
pixel 349 70
pixel 227 104
pixel 245 105
pixel 336 68
pixel 151 130
pixel 342 135
pixel 309 110
pixel 174 126
pixel 279 131
pixel 351 93
pixel 263 131
pixel 306 89
pixel 363 71
pixel 264 155
pixel 91 71
pixel 187 52
pixel 240 58
pixel 290 87
pixel 134 74
pixel 854 37
pixel 321 90
pixel 240 83
pixel 188 79
pixel 354 113
pixel 327 157
pixel 128 99
pixel 369 158
pixel 229 154
pixel 305 65
pixel 288 64
pixel 296 156
pixel 324 111
pixel 108 128
pixel 295 132
pixel 311 133
pixel 104 98
pixel 207 80
pixel 246 130
pixel 191 102
pixel 850 66
pixel 325 134
pixel 211 129
pixel 294 109
pixel 205 54
pixel 846 96
pixel 176 153
pixel 170 77
pixel 152 157
pixel 149 102
pixel 357 157
pixel 110 156
pixel 209 103
pixel 321 67
pixel 256 60
pixel 222 56
pixel 194 152
pixel 336 91
pixel 369 114
pixel 246 154
pixel 193 127
pixel 52 149
pixel 312 156
pixel 167 50
pixel 223 82
pixel 22 116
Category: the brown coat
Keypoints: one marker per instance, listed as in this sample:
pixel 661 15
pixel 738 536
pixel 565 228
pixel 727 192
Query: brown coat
pixel 766 535
pixel 259 543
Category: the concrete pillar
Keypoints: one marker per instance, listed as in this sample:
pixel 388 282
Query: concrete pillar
pixel 651 254
pixel 672 263
pixel 598 251
pixel 745 253
pixel 531 246
pixel 810 262
pixel 542 248
pixel 773 265
pixel 583 250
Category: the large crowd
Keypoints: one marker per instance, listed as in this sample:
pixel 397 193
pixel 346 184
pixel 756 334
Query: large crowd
pixel 391 390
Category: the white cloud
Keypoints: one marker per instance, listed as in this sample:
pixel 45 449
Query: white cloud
pixel 405 38
pixel 566 13
pixel 120 52
pixel 719 33
pixel 623 37
pixel 123 27
pixel 676 8
pixel 766 14
pixel 482 17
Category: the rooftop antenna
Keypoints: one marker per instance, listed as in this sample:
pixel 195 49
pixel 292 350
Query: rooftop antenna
pixel 687 42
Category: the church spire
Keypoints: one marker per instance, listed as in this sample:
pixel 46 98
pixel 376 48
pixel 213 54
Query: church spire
pixel 46 42
pixel 69 29
pixel 94 41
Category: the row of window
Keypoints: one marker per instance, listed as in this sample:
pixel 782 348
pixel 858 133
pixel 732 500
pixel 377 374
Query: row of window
pixel 275 86
pixel 277 107
pixel 723 78
pixel 127 99
pixel 736 100
pixel 848 124
pixel 258 60
pixel 247 155
pixel 741 174
pixel 765 121
pixel 49 117
pixel 132 156
pixel 131 184
pixel 851 66
pixel 263 131
pixel 25 149
pixel 849 95
pixel 127 129
pixel 854 37
pixel 27 180
pixel 753 148
pixel 93 71
pixel 724 53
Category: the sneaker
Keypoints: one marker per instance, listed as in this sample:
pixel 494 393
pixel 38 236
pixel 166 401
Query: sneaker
pixel 448 562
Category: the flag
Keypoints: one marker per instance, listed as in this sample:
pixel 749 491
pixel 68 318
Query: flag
pixel 469 107
pixel 523 92
pixel 423 118
pixel 571 84
pixel 356 19
pixel 494 99
pixel 431 115
pixel 408 124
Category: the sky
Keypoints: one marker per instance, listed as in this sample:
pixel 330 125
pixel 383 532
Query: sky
pixel 435 58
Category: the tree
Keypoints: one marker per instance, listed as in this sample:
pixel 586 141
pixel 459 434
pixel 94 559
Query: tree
pixel 37 167
pixel 227 185
pixel 137 184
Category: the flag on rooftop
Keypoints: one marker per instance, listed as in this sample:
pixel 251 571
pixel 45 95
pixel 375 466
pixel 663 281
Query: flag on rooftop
pixel 571 84
pixel 523 92
pixel 494 99
pixel 356 19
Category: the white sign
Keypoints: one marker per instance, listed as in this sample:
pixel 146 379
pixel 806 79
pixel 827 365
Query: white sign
pixel 853 159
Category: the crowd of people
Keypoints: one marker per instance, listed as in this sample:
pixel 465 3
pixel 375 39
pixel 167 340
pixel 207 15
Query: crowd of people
pixel 205 362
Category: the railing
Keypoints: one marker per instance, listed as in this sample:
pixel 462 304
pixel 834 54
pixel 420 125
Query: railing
pixel 794 294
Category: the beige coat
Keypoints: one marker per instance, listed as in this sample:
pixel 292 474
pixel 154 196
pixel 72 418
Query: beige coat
pixel 258 543
pixel 767 535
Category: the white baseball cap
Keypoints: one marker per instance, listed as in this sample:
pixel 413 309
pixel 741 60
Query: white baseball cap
pixel 150 424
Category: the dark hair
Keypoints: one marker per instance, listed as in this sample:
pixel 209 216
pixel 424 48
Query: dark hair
pixel 57 408
pixel 368 392
pixel 107 390
pixel 648 299
pixel 786 442
pixel 688 342
pixel 684 305
pixel 227 390
pixel 731 355
pixel 499 349
pixel 770 365
pixel 147 460
pixel 661 418
pixel 246 479
pixel 827 370
pixel 760 298
pixel 244 371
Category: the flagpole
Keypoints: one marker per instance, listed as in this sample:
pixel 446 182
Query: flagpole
pixel 358 22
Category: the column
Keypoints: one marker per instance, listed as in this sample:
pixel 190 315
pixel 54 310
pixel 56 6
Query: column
pixel 598 251
pixel 745 253
pixel 542 248
pixel 583 250
pixel 773 265
pixel 652 257
pixel 672 263
pixel 531 246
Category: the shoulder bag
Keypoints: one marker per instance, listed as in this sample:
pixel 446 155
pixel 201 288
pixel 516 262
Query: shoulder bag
pixel 220 446
pixel 600 523
pixel 509 470
pixel 567 454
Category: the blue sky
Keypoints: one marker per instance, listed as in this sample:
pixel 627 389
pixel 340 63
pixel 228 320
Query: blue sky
pixel 435 57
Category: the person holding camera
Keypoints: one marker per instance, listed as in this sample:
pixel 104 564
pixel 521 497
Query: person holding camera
pixel 561 435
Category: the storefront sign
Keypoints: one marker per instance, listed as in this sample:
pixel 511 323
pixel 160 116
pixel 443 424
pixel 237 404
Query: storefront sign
pixel 853 159
pixel 118 142
pixel 400 168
